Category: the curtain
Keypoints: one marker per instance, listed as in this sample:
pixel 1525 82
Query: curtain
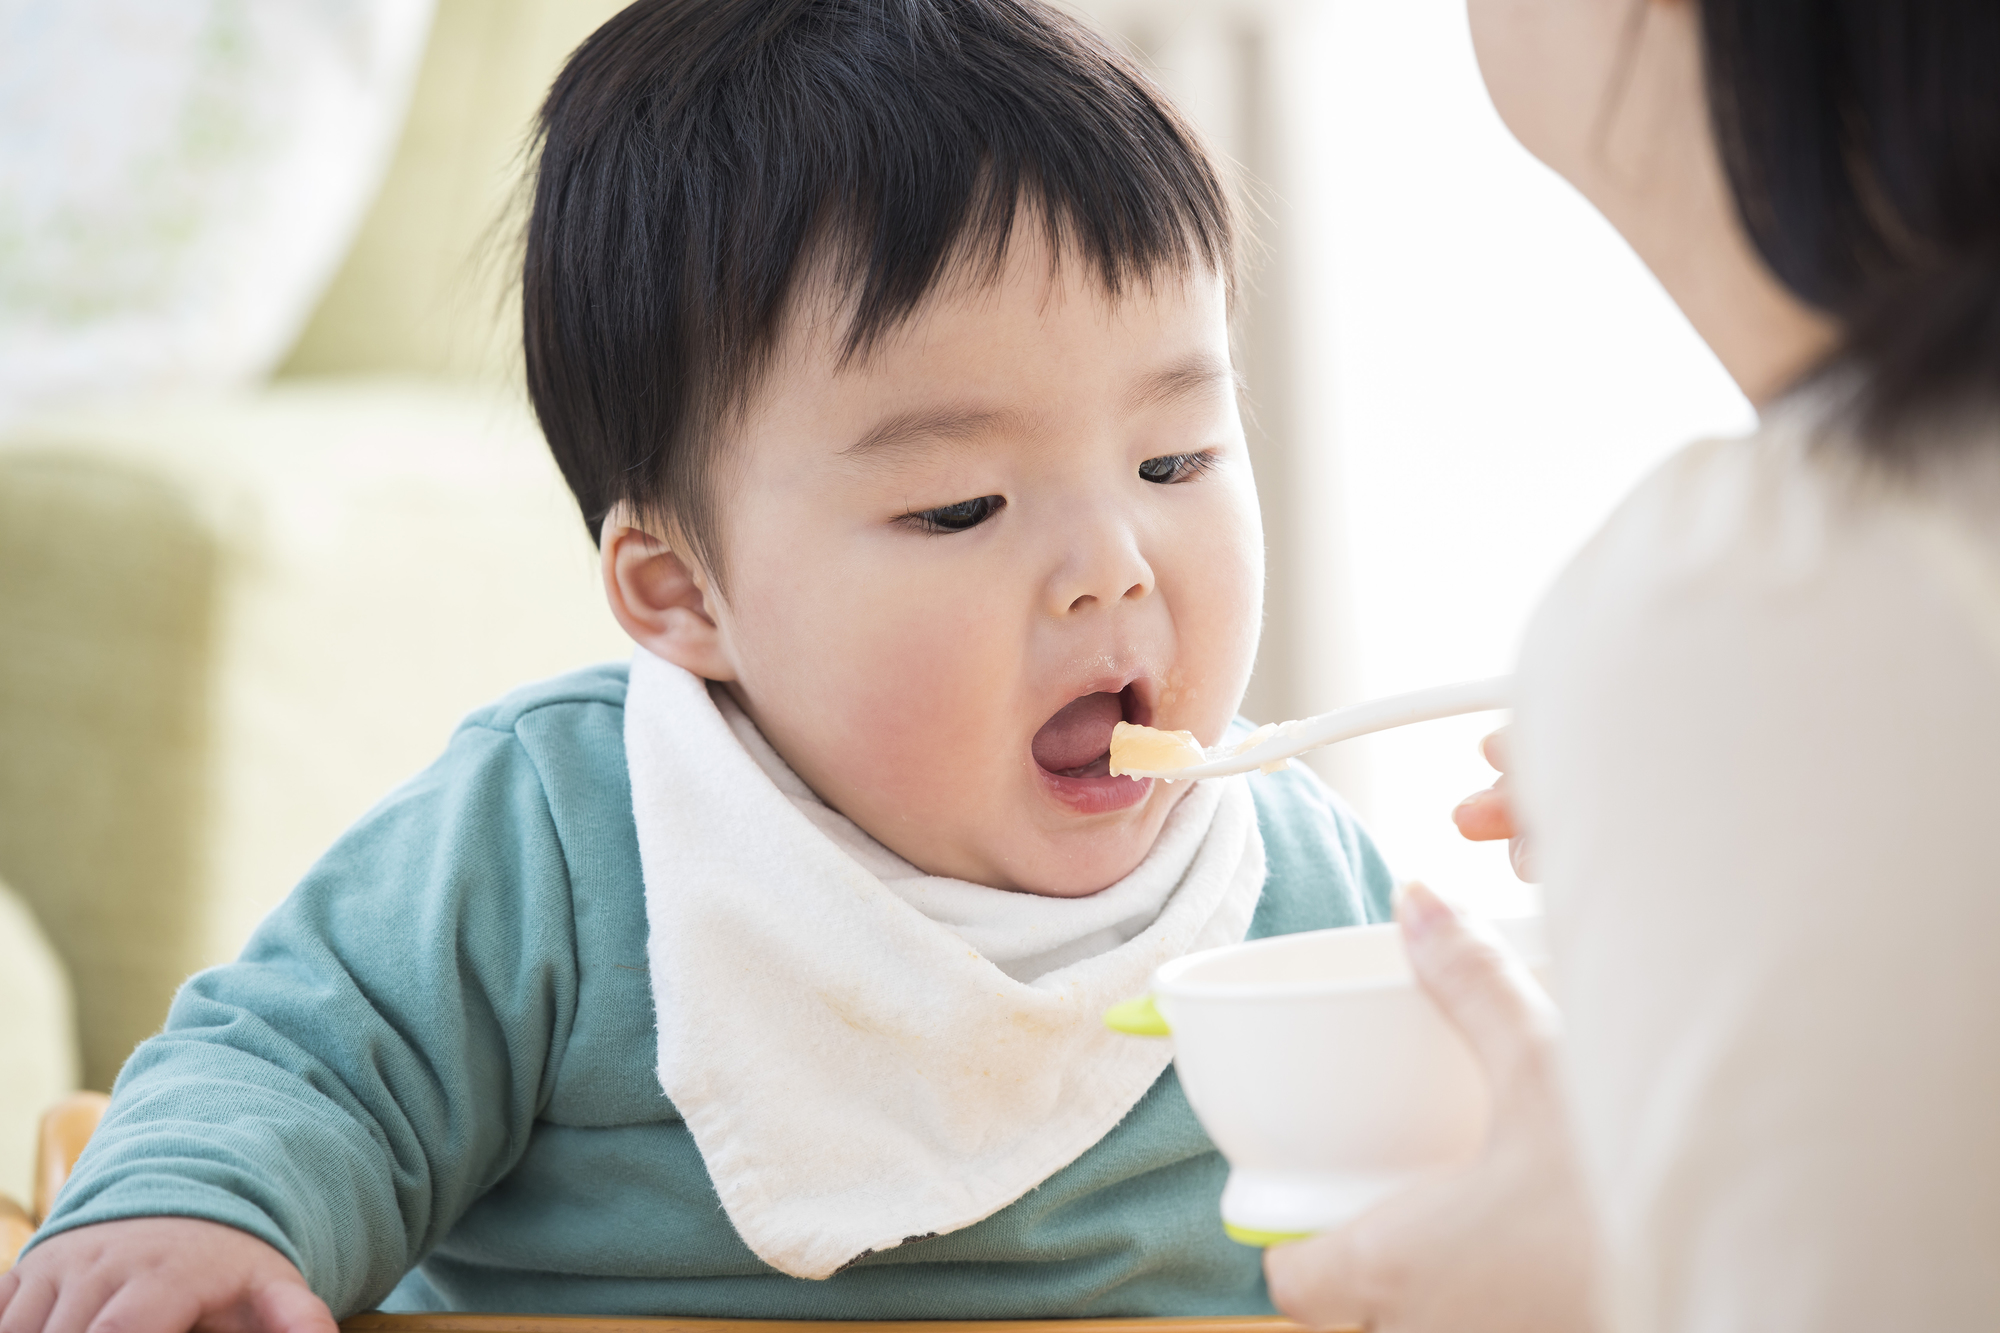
pixel 179 179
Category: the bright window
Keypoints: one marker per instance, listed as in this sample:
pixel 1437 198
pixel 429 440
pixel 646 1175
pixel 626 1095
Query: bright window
pixel 1470 369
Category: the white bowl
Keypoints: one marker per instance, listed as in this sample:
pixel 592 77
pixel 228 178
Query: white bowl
pixel 1324 1074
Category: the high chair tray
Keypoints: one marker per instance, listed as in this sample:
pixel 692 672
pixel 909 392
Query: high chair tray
pixel 373 1322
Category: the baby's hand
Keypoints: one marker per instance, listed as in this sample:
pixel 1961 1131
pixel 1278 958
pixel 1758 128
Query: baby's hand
pixel 158 1275
pixel 1484 816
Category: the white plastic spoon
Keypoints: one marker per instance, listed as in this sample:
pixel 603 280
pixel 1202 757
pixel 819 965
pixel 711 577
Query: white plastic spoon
pixel 1270 746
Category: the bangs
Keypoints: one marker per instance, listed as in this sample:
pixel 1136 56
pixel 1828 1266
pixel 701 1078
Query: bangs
pixel 697 157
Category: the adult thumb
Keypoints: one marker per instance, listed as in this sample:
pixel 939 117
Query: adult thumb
pixel 1484 988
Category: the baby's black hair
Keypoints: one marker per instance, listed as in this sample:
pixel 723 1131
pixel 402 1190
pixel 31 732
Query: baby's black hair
pixel 695 156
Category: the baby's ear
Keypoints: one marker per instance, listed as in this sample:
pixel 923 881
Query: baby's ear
pixel 660 598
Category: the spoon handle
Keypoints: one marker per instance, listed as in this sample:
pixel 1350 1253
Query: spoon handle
pixel 1395 710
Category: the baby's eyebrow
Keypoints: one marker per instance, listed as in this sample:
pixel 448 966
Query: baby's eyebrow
pixel 1196 375
pixel 926 425
pixel 918 427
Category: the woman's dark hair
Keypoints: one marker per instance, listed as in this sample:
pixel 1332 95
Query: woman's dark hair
pixel 1862 140
pixel 696 156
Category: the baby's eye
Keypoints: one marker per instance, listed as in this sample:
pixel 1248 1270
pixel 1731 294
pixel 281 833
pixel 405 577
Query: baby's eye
pixel 1170 468
pixel 957 518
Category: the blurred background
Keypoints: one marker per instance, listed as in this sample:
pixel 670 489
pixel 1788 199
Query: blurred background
pixel 273 515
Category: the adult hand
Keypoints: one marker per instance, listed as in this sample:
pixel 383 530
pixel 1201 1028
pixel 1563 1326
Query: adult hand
pixel 1488 816
pixel 1500 1245
pixel 158 1275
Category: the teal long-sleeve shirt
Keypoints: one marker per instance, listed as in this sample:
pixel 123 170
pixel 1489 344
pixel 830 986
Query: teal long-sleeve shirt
pixel 429 1080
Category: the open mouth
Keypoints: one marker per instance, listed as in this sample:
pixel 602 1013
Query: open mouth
pixel 1076 742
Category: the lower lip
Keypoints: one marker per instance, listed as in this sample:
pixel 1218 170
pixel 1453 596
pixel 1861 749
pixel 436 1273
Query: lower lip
pixel 1096 796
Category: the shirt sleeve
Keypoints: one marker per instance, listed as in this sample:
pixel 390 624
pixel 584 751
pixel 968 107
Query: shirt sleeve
pixel 1759 754
pixel 376 1058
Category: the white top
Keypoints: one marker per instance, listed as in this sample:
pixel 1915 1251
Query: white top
pixel 1758 745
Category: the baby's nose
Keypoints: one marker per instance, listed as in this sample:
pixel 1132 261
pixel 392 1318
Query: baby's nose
pixel 1104 571
pixel 1085 599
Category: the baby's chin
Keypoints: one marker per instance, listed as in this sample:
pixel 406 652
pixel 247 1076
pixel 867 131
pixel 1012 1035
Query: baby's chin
pixel 1077 862
pixel 1017 827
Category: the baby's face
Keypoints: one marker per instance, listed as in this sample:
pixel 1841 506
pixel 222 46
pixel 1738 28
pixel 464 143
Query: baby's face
pixel 954 563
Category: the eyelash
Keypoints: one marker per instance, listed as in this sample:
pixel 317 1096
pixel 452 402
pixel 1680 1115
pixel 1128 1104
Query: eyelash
pixel 969 514
pixel 960 517
pixel 1178 468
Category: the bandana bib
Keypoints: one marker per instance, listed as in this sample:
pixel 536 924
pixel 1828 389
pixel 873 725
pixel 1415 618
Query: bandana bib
pixel 867 1055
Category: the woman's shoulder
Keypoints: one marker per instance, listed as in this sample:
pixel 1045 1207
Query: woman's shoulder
pixel 1756 521
pixel 1719 506
pixel 1754 593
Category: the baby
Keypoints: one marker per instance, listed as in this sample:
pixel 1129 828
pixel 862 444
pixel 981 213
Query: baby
pixel 885 346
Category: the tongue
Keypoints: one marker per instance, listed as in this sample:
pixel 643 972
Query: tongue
pixel 1079 734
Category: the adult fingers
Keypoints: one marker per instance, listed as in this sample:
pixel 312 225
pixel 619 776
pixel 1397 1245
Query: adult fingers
pixel 1521 858
pixel 1325 1281
pixel 1497 749
pixel 1486 816
pixel 291 1307
pixel 1483 987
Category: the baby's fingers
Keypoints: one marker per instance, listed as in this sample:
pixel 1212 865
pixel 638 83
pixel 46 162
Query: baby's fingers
pixel 83 1296
pixel 141 1307
pixel 290 1307
pixel 24 1302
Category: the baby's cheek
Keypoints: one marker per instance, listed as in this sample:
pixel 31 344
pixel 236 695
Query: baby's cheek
pixel 1215 581
pixel 932 699
pixel 909 706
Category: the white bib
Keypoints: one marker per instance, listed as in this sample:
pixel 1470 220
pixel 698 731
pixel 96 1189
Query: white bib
pixel 854 1069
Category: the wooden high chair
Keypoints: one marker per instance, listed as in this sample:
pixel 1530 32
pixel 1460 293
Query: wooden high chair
pixel 69 1124
pixel 66 1127
pixel 508 1323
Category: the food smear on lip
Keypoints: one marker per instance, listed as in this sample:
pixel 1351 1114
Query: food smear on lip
pixel 1136 749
